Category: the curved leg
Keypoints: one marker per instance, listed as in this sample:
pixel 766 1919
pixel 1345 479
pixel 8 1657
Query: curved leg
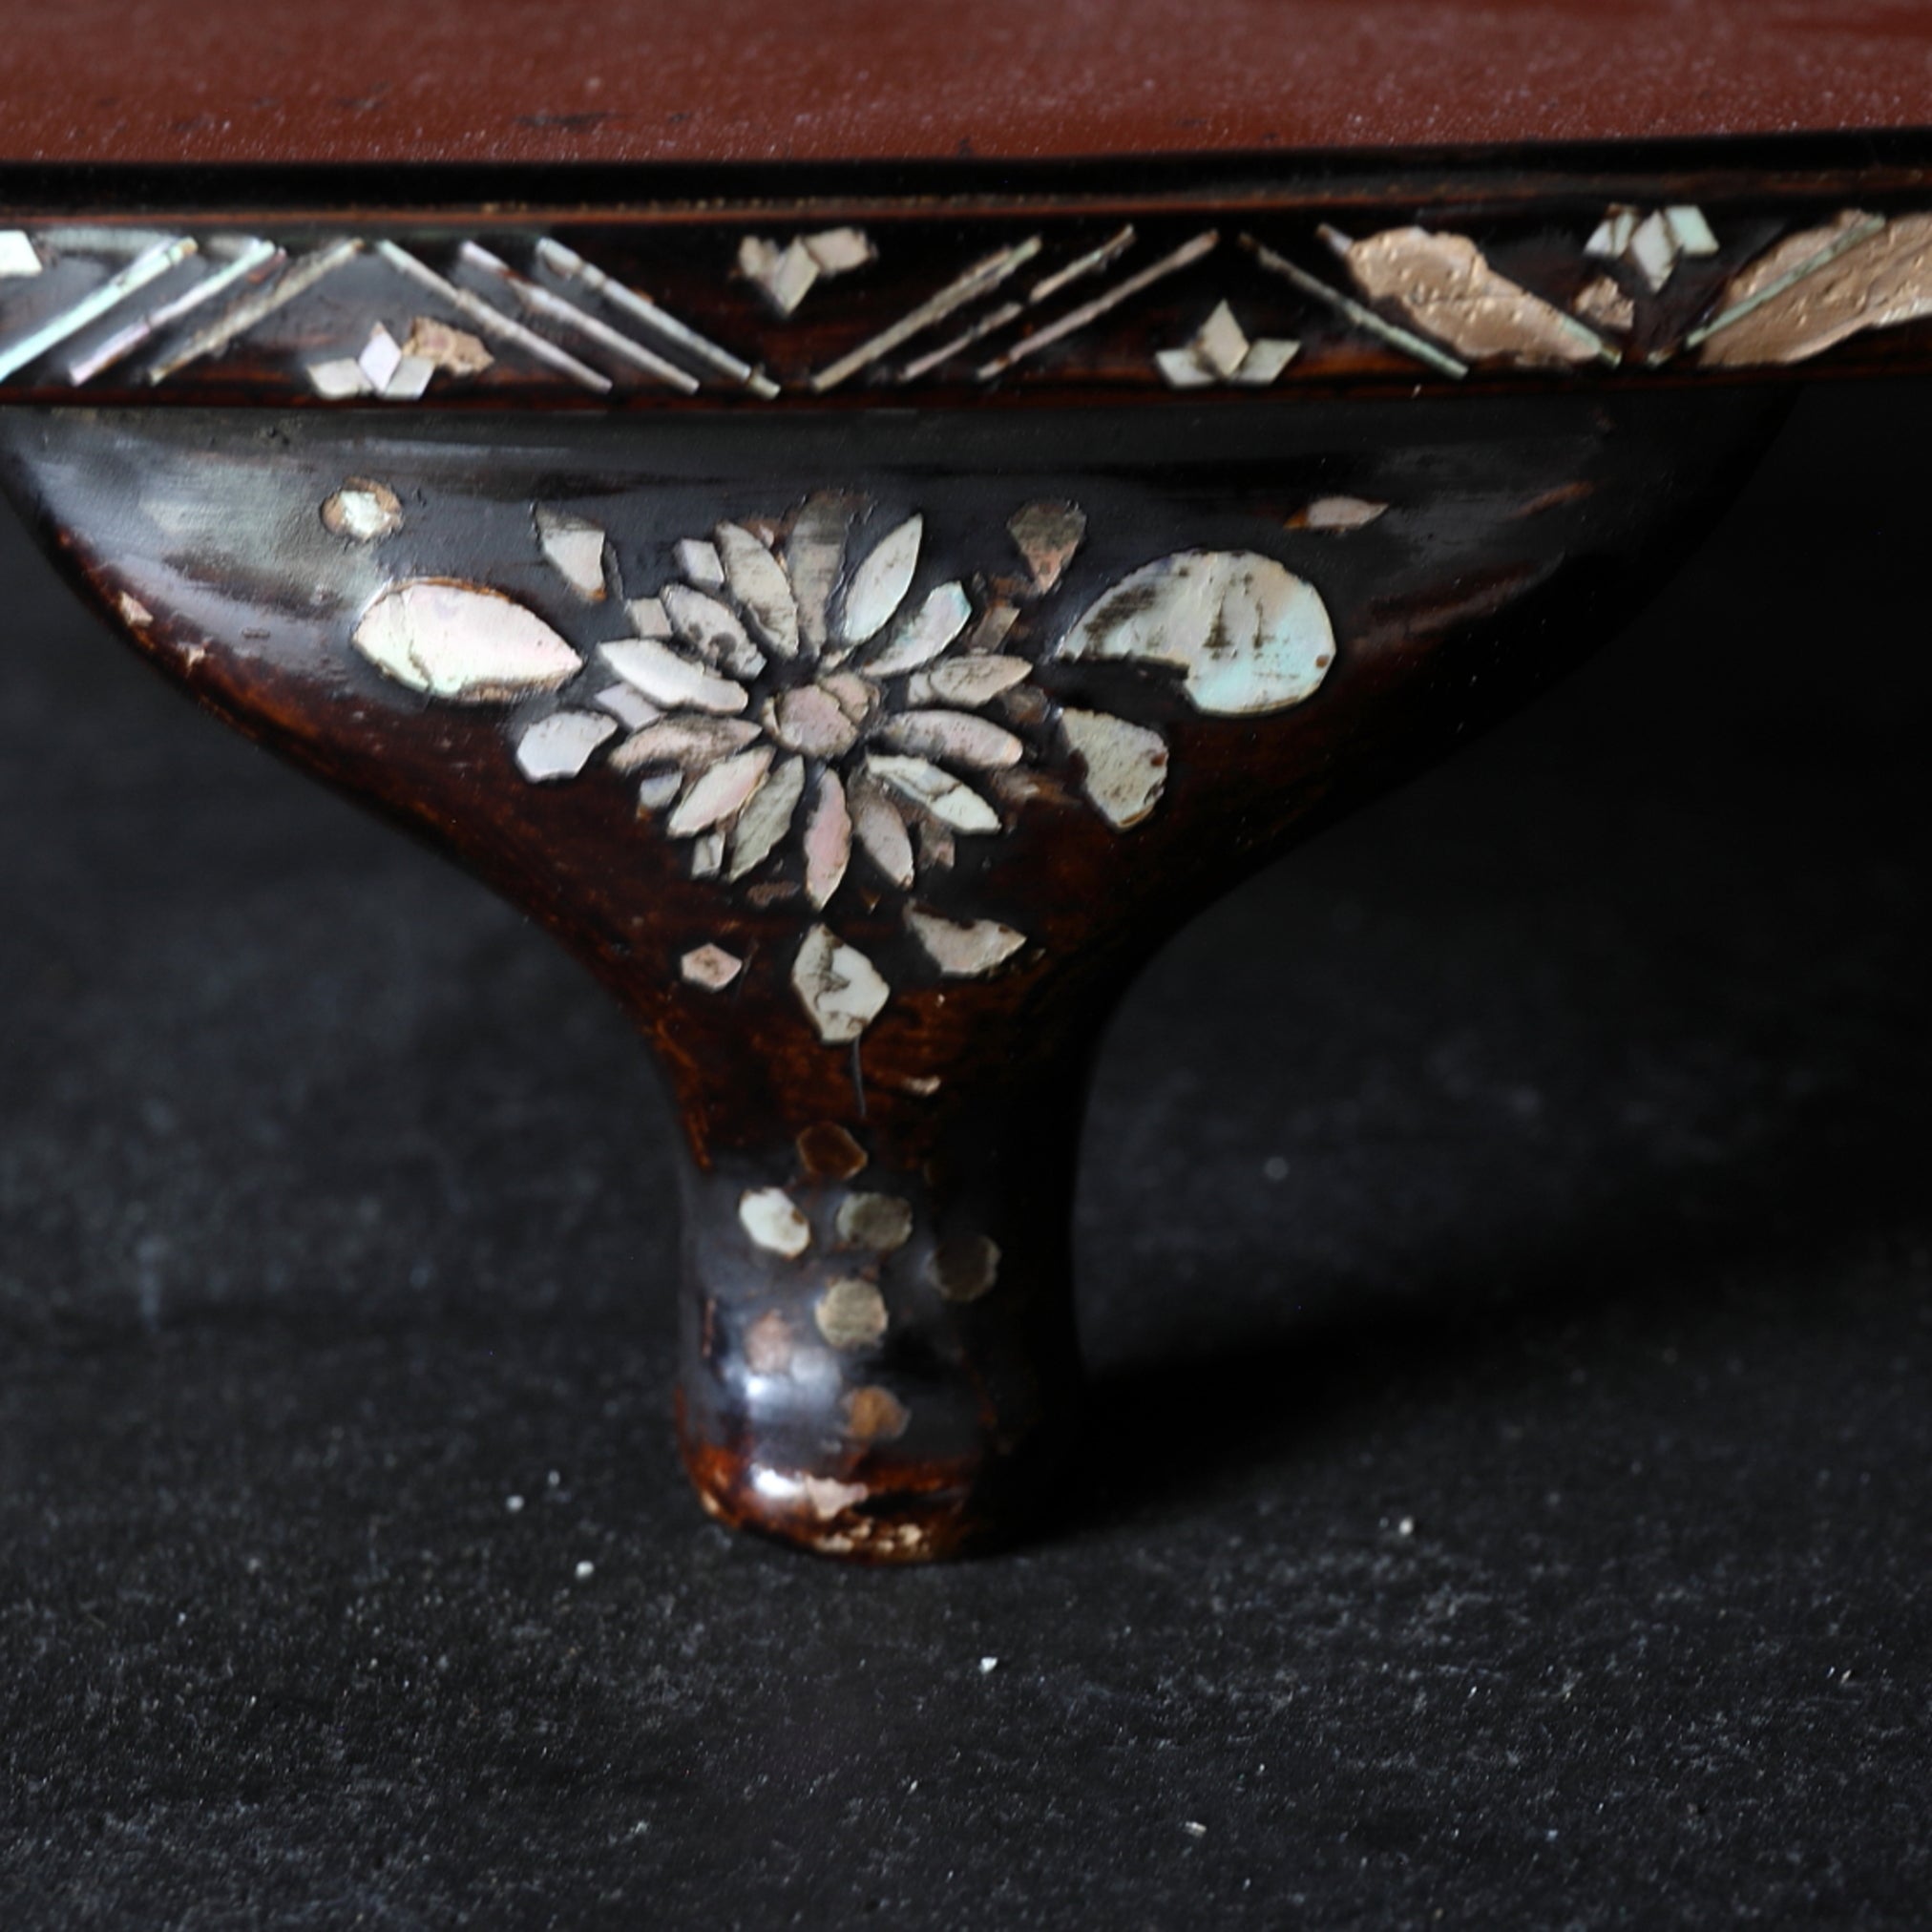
pixel 864 761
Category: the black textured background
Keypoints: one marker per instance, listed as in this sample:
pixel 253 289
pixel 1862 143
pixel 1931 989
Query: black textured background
pixel 1505 1254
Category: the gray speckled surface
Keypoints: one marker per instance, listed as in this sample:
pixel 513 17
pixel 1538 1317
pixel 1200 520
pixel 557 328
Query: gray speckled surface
pixel 1507 1254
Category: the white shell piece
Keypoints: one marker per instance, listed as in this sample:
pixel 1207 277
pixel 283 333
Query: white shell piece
pixel 1611 236
pixel 1127 764
pixel 575 548
pixel 855 697
pixel 648 616
pixel 1181 369
pixel 380 355
pixel 672 680
pixel 813 553
pixel 463 643
pixel 759 582
pixel 1266 358
pixel 561 746
pixel 840 988
pixel 766 819
pixel 881 831
pixel 658 789
pixel 839 250
pixel 363 511
pixel 879 584
pixel 956 735
pixel 338 380
pixel 691 742
pixel 1074 320
pixel 772 1220
pixel 785 274
pixel 717 794
pixel 629 707
pixel 880 1222
pixel 1250 635
pixel 1091 262
pixel 980 278
pixel 409 380
pixel 942 614
pixel 964 952
pixel 810 718
pixel 455 351
pixel 710 967
pixel 964 1267
pixel 1444 284
pixel 1691 230
pixel 712 630
pixel 708 855
pixel 700 563
pixel 1220 343
pixel 791 276
pixel 936 792
pixel 1653 251
pixel 967 681
pixel 1334 515
pixel 758 259
pixel 850 1315
pixel 17 253
pixel 828 839
pixel 1047 534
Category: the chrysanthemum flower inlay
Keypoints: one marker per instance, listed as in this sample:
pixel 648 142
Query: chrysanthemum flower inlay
pixel 793 704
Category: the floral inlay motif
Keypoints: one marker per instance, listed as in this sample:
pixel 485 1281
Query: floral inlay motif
pixel 798 702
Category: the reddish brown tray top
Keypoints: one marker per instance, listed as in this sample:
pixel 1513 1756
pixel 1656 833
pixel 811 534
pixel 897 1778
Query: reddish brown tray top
pixel 748 80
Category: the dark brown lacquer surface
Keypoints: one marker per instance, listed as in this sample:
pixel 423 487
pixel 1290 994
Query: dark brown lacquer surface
pixel 673 81
pixel 879 1355
pixel 861 612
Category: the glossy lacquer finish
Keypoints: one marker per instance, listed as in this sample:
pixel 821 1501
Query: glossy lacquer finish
pixel 864 760
pixel 708 82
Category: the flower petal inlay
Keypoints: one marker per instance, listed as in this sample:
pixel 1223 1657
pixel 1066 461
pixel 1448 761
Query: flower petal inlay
pixel 967 681
pixel 880 584
pixel 938 791
pixel 828 839
pixel 720 791
pixel 561 746
pixel 712 630
pixel 766 818
pixel 758 581
pixel 667 679
pixel 942 614
pixel 690 742
pixel 881 831
pixel 462 642
pixel 1250 635
pixel 815 553
pixel 956 735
